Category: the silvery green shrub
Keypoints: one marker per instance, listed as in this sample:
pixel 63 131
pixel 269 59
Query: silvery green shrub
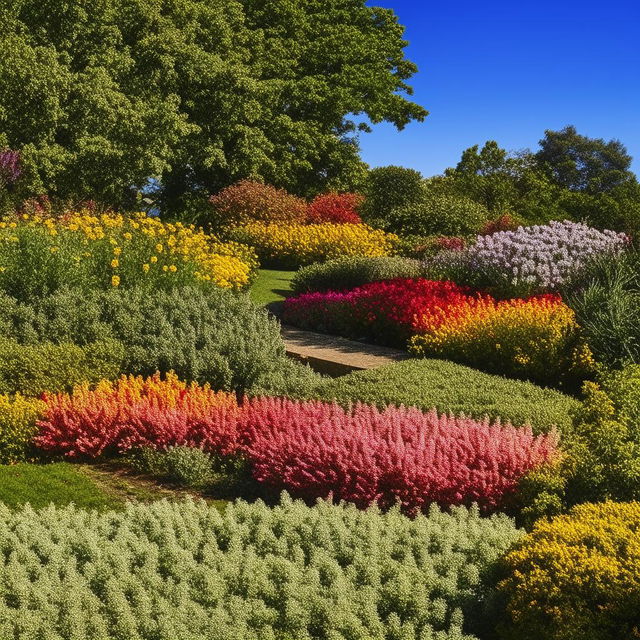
pixel 185 571
pixel 528 260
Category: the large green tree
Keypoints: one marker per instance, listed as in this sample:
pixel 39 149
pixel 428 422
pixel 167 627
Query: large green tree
pixel 101 95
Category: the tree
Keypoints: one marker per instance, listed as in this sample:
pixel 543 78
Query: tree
pixel 579 163
pixel 101 95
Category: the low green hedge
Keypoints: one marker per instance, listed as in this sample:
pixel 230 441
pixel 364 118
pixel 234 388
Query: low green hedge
pixel 184 570
pixel 350 272
pixel 452 388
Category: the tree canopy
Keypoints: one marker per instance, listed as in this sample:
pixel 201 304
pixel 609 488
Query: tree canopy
pixel 101 95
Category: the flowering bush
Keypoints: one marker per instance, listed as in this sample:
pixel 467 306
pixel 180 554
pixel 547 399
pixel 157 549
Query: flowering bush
pixel 339 208
pixel 384 312
pixel 136 412
pixel 10 166
pixel 528 260
pixel 40 254
pixel 505 222
pixel 535 338
pixel 364 455
pixel 185 570
pixel 577 576
pixel 250 201
pixel 293 245
pixel 18 416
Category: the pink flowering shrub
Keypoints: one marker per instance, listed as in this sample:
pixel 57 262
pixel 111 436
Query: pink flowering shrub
pixel 313 449
pixel 134 412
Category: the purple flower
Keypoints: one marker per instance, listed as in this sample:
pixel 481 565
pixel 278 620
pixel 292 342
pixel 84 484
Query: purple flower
pixel 10 166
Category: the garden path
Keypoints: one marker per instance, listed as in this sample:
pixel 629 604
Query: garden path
pixel 336 356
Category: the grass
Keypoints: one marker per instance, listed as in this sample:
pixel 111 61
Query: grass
pixel 102 486
pixel 271 286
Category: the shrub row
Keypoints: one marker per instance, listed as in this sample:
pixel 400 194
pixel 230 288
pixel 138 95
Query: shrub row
pixel 18 428
pixel 311 448
pixel 216 336
pixel 167 571
pixel 350 272
pixel 294 245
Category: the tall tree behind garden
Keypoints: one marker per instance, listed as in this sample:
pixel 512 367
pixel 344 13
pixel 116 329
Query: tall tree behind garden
pixel 100 95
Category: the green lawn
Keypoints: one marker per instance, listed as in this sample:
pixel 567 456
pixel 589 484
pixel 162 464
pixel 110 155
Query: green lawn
pixel 104 486
pixel 271 286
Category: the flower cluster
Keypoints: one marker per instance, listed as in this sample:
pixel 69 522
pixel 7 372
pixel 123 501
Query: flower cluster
pixel 531 259
pixel 385 312
pixel 293 245
pixel 577 576
pixel 339 208
pixel 135 412
pixel 10 166
pixel 396 455
pixel 536 338
pixel 39 254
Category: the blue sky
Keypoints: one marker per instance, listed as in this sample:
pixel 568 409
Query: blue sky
pixel 508 70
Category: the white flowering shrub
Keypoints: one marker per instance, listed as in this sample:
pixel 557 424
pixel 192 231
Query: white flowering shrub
pixel 185 571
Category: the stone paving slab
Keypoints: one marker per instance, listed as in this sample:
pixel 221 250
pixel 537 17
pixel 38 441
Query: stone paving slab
pixel 336 356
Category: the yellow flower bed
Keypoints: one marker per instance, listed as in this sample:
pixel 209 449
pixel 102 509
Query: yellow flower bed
pixel 293 245
pixel 577 577
pixel 18 417
pixel 112 250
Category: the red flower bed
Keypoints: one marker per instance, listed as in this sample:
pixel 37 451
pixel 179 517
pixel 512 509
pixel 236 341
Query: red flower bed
pixel 363 455
pixel 340 208
pixel 135 412
pixel 388 312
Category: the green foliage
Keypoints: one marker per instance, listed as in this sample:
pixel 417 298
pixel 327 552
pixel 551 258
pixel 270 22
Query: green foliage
pixel 388 188
pixel 217 336
pixel 187 466
pixel 351 272
pixel 43 484
pixel 606 301
pixel 167 571
pixel 439 214
pixel 452 388
pixel 197 93
pixel 579 163
pixel 34 369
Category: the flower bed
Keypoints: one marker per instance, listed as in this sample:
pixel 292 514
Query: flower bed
pixel 39 255
pixel 293 245
pixel 529 260
pixel 536 338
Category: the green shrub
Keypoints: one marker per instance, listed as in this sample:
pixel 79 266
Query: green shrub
pixel 576 577
pixel 439 214
pixel 167 571
pixel 18 417
pixel 452 388
pixel 351 272
pixel 33 369
pixel 188 466
pixel 388 188
pixel 216 336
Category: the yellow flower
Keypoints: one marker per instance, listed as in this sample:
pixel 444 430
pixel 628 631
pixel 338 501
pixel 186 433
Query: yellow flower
pixel 115 281
pixel 127 235
pixel 145 267
pixel 173 268
pixel 117 251
pixel 115 263
pixel 165 268
pixel 154 259
pixel 159 248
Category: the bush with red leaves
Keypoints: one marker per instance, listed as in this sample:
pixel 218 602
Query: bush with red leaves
pixel 249 200
pixel 503 223
pixel 362 455
pixel 340 208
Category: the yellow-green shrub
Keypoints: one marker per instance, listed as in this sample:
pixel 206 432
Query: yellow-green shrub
pixel 294 245
pixel 576 577
pixel 18 417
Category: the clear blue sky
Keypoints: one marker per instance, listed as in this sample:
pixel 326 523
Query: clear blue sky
pixel 508 70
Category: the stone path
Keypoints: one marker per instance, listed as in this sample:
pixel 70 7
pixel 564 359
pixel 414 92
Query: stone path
pixel 336 356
